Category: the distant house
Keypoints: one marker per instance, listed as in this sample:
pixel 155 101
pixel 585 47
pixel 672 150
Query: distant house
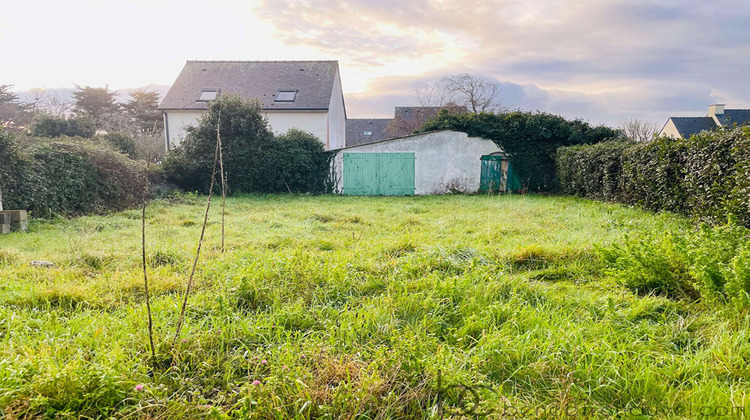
pixel 718 117
pixel 363 131
pixel 405 121
pixel 293 94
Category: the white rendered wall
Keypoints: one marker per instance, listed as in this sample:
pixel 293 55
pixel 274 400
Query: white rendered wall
pixel 177 122
pixel 312 122
pixel 446 160
pixel 670 130
pixel 280 122
pixel 336 117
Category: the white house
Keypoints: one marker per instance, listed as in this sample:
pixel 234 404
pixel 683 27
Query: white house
pixel 293 94
pixel 718 117
pixel 436 162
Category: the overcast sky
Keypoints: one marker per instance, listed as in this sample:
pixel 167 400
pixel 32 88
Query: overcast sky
pixel 599 60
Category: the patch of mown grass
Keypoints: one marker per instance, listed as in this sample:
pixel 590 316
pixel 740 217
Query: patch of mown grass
pixel 351 306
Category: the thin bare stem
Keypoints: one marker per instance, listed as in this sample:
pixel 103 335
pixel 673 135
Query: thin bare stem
pixel 145 281
pixel 198 251
pixel 223 178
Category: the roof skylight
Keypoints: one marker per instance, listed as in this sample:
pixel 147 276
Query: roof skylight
pixel 208 95
pixel 286 96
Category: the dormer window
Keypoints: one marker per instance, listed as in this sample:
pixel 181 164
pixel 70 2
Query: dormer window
pixel 286 96
pixel 208 95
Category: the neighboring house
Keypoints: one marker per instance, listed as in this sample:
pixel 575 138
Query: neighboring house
pixel 718 117
pixel 363 131
pixel 437 162
pixel 405 121
pixel 408 119
pixel 293 94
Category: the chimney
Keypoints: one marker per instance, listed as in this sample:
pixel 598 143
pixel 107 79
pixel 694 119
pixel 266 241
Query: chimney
pixel 716 109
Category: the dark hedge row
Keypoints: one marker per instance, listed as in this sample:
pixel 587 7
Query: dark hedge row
pixel 67 176
pixel 706 176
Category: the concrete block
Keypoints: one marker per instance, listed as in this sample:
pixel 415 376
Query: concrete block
pixel 20 226
pixel 18 215
pixel 4 223
pixel 16 219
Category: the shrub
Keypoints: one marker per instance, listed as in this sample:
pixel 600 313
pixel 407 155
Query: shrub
pixel 51 127
pixel 122 142
pixel 300 161
pixel 12 167
pixel 254 160
pixel 245 137
pixel 708 263
pixel 72 176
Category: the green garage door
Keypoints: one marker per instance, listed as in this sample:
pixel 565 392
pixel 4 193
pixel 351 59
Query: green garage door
pixel 378 174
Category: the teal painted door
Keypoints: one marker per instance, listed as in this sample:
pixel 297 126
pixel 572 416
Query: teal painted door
pixel 378 174
pixel 494 173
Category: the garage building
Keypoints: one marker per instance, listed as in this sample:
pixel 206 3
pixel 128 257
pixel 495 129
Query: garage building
pixel 437 162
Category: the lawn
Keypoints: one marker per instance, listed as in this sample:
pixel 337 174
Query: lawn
pixel 404 307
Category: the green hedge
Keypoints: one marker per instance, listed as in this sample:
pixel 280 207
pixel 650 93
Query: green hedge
pixel 68 176
pixel 706 176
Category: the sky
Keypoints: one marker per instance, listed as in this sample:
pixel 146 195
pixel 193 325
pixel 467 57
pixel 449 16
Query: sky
pixel 603 61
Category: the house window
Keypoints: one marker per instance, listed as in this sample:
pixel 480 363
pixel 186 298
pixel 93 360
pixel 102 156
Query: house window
pixel 208 95
pixel 286 96
pixel 367 133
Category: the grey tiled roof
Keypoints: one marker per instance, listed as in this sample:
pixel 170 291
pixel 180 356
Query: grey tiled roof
pixel 407 119
pixel 687 126
pixel 313 81
pixel 734 116
pixel 355 129
pixel 424 113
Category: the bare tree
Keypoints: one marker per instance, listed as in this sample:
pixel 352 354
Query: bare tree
pixel 149 146
pixel 45 101
pixel 476 93
pixel 432 95
pixel 638 130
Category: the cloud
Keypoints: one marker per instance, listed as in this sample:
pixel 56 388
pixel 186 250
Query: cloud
pixel 591 59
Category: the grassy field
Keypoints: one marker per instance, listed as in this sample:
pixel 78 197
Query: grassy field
pixel 353 307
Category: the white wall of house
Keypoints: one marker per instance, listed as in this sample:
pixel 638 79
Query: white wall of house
pixel 177 122
pixel 312 122
pixel 670 130
pixel 316 123
pixel 446 160
pixel 336 117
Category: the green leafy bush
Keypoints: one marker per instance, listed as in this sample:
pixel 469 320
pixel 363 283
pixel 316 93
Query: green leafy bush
pixel 71 176
pixel 706 176
pixel 12 166
pixel 254 160
pixel 51 127
pixel 122 142
pixel 300 161
pixel 709 263
pixel 653 265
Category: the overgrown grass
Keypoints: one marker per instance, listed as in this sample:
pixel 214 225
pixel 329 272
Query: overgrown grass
pixel 346 306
